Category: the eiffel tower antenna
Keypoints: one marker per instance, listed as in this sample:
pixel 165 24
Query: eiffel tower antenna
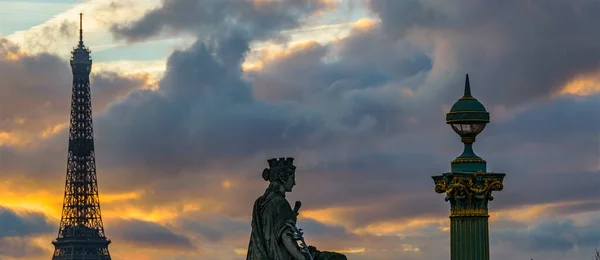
pixel 81 232
pixel 80 27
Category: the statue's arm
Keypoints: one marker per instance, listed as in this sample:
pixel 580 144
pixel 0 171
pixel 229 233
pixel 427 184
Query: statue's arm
pixel 291 245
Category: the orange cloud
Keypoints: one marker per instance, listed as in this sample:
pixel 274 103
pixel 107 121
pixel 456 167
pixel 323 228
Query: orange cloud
pixel 241 251
pixel 110 198
pixel 11 52
pixel 271 53
pixel 329 4
pixel 12 56
pixel 30 200
pixel 365 24
pixel 329 216
pixel 137 208
pixel 54 129
pixel 256 65
pixel 351 250
pixel 13 139
pixel 532 213
pixel 582 85
pixel 226 184
pixel 400 227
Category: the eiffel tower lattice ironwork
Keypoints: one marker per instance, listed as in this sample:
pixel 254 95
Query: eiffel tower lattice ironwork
pixel 81 232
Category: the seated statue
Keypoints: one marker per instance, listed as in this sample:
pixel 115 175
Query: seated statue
pixel 274 233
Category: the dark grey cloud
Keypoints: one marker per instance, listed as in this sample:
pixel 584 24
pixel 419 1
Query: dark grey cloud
pixel 147 234
pixel 212 227
pixel 255 20
pixel 355 80
pixel 23 224
pixel 346 173
pixel 577 208
pixel 316 231
pixel 35 93
pixel 204 105
pixel 31 88
pixel 578 115
pixel 519 50
pixel 201 109
pixel 314 71
pixel 550 131
pixel 35 90
pixel 557 236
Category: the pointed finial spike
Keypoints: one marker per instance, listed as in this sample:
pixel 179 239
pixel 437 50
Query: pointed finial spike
pixel 467 87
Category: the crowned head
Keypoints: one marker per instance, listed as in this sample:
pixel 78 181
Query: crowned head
pixel 282 171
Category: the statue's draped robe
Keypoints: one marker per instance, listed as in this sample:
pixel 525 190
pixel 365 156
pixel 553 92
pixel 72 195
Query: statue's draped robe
pixel 270 214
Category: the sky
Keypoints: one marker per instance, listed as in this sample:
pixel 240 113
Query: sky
pixel 191 97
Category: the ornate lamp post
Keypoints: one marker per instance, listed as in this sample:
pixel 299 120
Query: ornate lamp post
pixel 468 186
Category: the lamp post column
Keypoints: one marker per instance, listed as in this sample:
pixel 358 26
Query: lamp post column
pixel 468 186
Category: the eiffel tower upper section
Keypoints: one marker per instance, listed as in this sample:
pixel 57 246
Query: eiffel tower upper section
pixel 81 232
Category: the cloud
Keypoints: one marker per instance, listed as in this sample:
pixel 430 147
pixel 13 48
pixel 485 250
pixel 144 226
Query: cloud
pixel 330 237
pixel 13 224
pixel 556 236
pixel 253 18
pixel 212 227
pixel 63 29
pixel 35 91
pixel 307 72
pixel 35 95
pixel 20 248
pixel 147 235
pixel 375 87
pixel 512 46
pixel 18 229
pixel 200 81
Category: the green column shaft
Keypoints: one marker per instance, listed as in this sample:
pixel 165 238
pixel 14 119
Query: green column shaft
pixel 469 238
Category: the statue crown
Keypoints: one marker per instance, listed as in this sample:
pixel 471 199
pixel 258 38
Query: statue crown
pixel 281 162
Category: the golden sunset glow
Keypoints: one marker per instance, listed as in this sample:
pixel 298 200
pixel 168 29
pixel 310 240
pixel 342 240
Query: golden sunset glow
pixel 157 214
pixel 110 198
pixel 252 66
pixel 37 201
pixel 365 23
pixel 270 53
pixel 226 184
pixel 241 251
pixel 12 56
pixel 331 216
pixel 584 85
pixel 12 53
pixel 397 228
pixel 13 139
pixel 351 250
pixel 54 129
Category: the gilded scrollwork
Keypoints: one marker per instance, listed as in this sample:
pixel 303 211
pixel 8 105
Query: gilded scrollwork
pixel 441 187
pixel 465 189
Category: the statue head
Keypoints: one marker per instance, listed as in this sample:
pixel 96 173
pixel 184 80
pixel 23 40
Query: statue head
pixel 281 171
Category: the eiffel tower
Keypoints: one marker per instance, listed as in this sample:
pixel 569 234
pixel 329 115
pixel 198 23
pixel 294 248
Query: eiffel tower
pixel 81 232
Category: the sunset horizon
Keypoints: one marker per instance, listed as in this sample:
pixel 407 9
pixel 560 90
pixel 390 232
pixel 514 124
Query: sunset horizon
pixel 191 98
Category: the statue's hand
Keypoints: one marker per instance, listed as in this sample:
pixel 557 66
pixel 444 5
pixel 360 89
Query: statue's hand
pixel 297 208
